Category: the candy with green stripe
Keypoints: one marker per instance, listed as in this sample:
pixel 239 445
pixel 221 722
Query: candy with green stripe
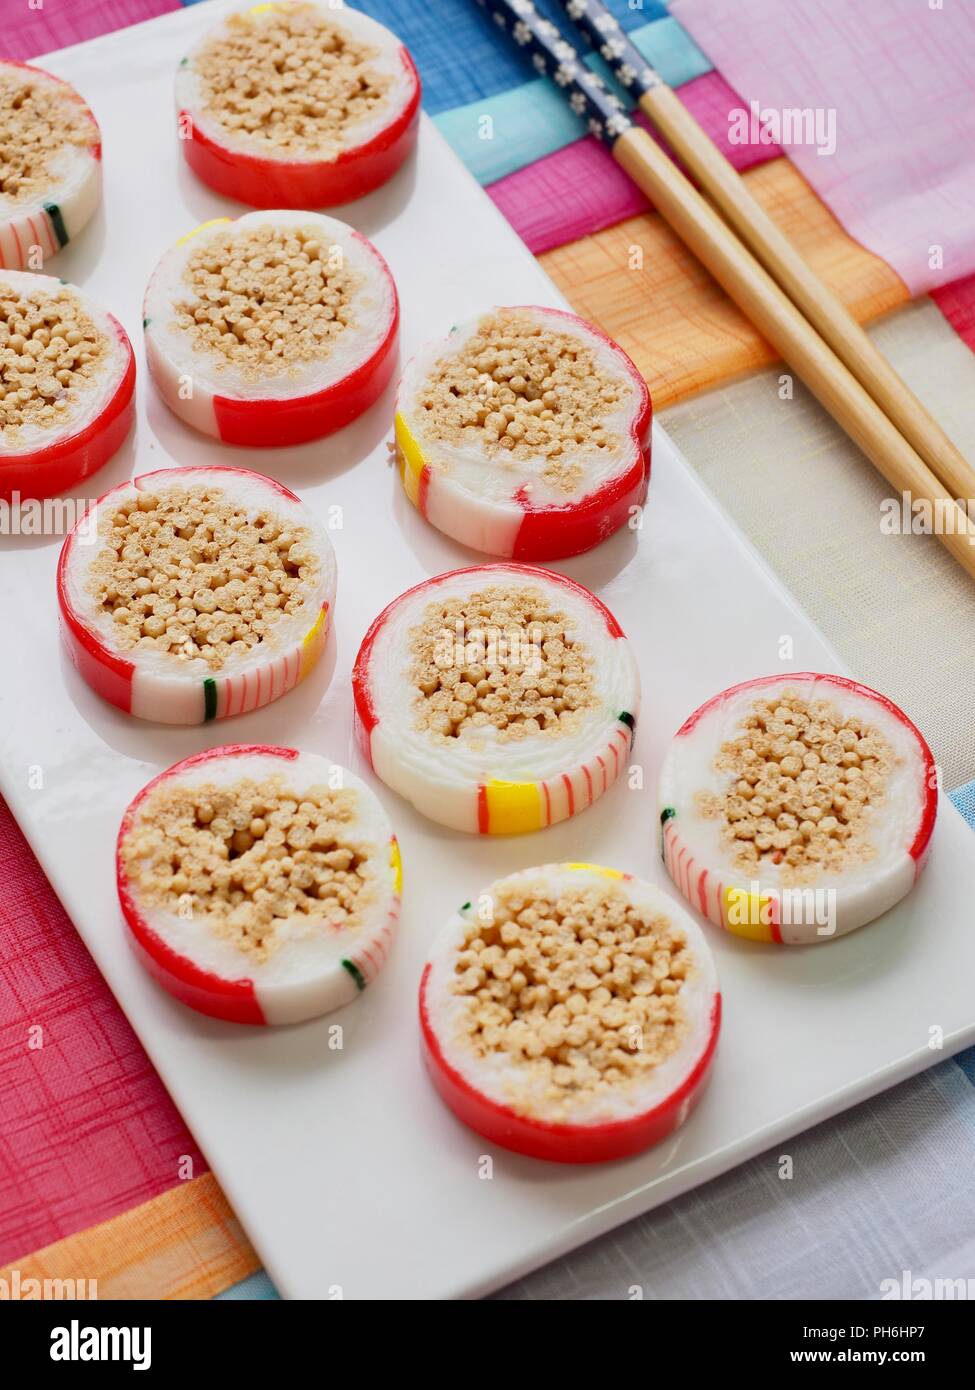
pixel 209 699
pixel 57 222
pixel 355 972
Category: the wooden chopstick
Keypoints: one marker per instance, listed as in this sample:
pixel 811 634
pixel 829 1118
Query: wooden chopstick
pixel 740 274
pixel 721 182
pixel 793 337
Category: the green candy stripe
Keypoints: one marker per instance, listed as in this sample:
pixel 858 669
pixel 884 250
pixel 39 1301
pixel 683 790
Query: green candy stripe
pixel 625 717
pixel 209 699
pixel 355 972
pixel 668 813
pixel 57 222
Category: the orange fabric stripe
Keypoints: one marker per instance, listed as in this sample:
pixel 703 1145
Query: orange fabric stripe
pixel 640 284
pixel 184 1244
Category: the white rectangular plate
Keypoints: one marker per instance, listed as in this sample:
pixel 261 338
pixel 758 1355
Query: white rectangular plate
pixel 343 1165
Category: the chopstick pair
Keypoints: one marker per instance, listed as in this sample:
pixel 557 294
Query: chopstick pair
pixel 762 272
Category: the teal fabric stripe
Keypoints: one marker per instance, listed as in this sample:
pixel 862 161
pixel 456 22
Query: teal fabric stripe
pixel 255 1286
pixel 534 119
pixel 964 799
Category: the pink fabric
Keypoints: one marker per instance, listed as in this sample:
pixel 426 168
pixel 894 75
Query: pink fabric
pixel 957 302
pixel 900 76
pixel 26 32
pixel 579 189
pixel 86 1128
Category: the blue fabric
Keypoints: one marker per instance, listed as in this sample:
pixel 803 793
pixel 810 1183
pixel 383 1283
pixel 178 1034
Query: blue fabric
pixel 460 53
pixel 966 1060
pixel 533 119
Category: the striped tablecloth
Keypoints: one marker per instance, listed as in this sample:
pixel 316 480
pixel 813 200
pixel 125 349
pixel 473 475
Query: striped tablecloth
pixel 97 1172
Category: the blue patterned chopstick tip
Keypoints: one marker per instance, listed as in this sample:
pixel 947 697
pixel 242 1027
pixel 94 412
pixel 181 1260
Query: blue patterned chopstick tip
pixel 553 56
pixel 604 32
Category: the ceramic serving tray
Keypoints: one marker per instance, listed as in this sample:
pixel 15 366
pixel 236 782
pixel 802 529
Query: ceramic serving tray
pixel 349 1175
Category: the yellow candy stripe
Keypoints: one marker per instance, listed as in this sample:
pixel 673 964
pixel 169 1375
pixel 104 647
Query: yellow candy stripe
pixel 214 222
pixel 750 915
pixel 396 864
pixel 509 808
pixel 411 461
pixel 595 869
pixel 312 643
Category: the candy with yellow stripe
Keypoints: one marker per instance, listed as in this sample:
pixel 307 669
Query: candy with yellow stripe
pixel 750 915
pixel 513 808
pixel 595 869
pixel 410 460
pixel 454 700
pixel 312 642
pixel 396 864
pixel 213 222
